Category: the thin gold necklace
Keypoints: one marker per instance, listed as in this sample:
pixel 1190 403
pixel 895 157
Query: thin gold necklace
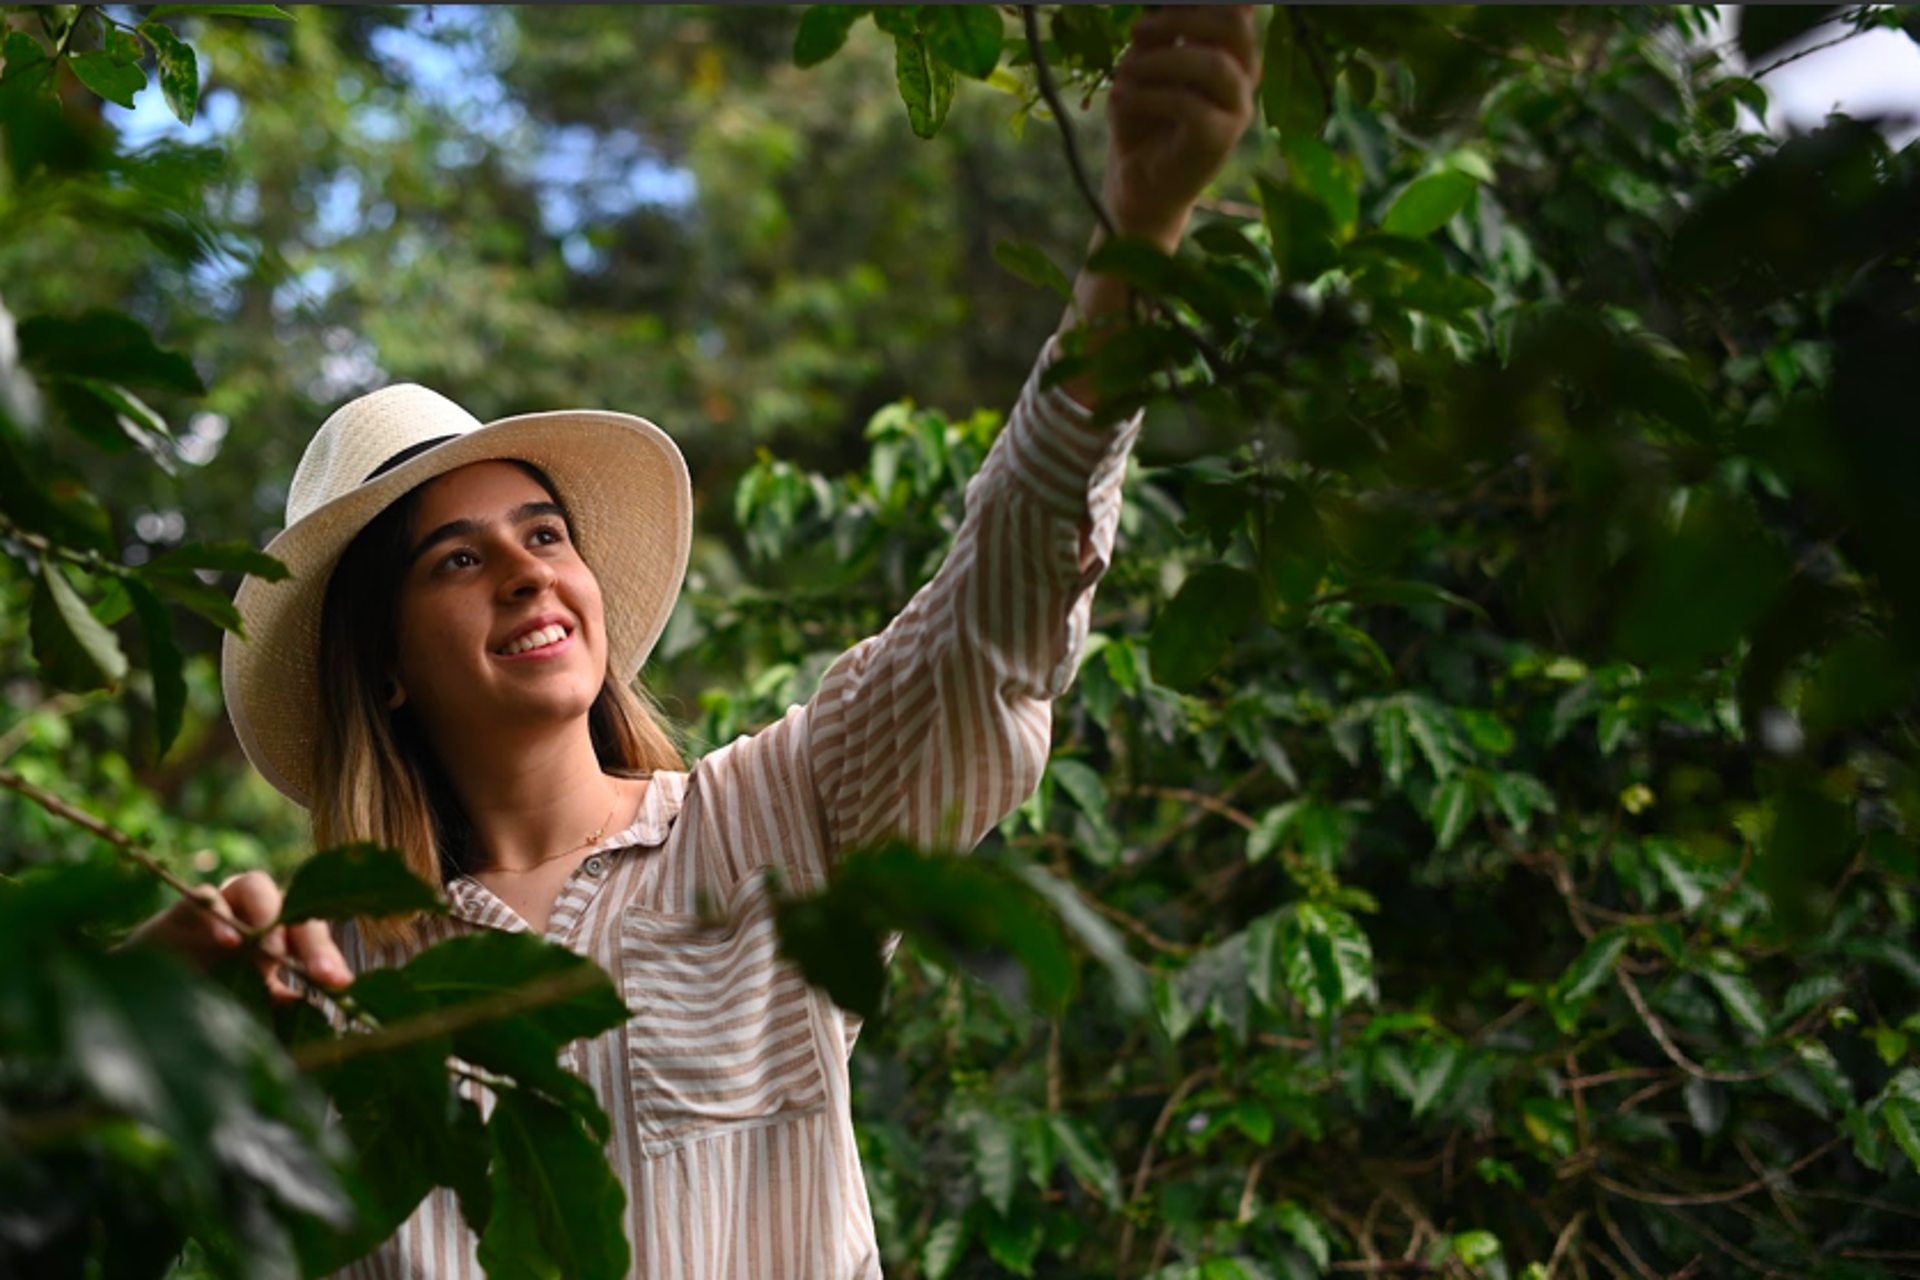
pixel 572 848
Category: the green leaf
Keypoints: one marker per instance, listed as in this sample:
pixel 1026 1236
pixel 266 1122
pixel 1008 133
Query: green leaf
pixel 220 557
pixel 111 418
pixel 1741 998
pixel 83 346
pixel 1326 958
pixel 1272 830
pixel 1766 27
pixel 117 82
pixel 1101 940
pixel 272 11
pixel 1215 606
pixel 1306 1230
pixel 165 661
pixel 966 37
pixel 1301 229
pixel 1410 593
pixel 996 1158
pixel 75 652
pixel 1030 263
pixel 1427 203
pixel 122 46
pixel 1431 727
pixel 1333 179
pixel 1088 1158
pixel 1294 93
pixel 1013 1241
pixel 1593 966
pixel 179 70
pixel 946 1245
pixel 361 879
pixel 823 31
pixel 557 1207
pixel 1449 811
pixel 1393 741
pixel 1520 796
pixel 1476 1247
pixel 483 965
pixel 925 83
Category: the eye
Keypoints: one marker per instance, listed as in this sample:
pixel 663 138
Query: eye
pixel 461 559
pixel 548 535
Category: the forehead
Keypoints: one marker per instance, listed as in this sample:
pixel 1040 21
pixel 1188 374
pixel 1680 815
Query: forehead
pixel 477 491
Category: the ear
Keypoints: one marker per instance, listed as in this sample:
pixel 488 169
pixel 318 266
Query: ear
pixel 396 693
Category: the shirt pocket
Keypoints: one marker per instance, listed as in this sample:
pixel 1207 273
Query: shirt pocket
pixel 723 1032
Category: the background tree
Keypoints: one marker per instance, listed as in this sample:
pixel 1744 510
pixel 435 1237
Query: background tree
pixel 1489 794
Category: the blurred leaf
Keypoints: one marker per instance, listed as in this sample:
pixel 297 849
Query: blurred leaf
pixel 222 557
pixel 101 340
pixel 1427 204
pixel 1087 1156
pixel 1449 811
pixel 113 80
pixel 946 1244
pixel 1740 997
pixel 1766 27
pixel 1593 966
pixel 1030 263
pixel 557 1207
pixel 179 70
pixel 1301 229
pixel 996 1159
pixel 1410 593
pixel 1214 607
pixel 165 661
pixel 223 11
pixel 1325 957
pixel 1102 941
pixel 823 30
pixel 74 651
pixel 352 880
pixel 1294 94
pixel 926 83
pixel 1305 1230
pixel 964 36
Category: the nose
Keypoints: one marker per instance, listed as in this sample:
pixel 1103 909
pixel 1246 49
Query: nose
pixel 524 574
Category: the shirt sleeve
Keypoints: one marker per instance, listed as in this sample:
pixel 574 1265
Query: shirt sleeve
pixel 940 726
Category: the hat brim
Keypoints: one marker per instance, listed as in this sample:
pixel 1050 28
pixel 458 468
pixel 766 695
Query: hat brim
pixel 622 480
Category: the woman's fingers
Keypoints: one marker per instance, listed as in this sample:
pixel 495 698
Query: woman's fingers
pixel 1227 27
pixel 1206 69
pixel 255 900
pixel 312 944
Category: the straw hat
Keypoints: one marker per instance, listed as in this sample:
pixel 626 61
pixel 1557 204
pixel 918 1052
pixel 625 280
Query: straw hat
pixel 622 479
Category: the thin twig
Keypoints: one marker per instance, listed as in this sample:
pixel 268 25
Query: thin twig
pixel 1567 1233
pixel 1249 1204
pixel 1187 795
pixel 1145 1170
pixel 1719 1197
pixel 1043 77
pixel 409 1031
pixel 1672 1050
pixel 1810 49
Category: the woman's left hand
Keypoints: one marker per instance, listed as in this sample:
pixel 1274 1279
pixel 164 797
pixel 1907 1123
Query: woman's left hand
pixel 1181 98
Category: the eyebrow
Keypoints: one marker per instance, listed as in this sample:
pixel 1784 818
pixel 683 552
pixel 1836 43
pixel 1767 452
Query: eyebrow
pixel 521 514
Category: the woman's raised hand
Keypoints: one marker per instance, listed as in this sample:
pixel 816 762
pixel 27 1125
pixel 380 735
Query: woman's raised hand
pixel 247 902
pixel 1182 96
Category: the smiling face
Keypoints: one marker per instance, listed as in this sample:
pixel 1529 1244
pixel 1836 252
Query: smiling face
pixel 500 623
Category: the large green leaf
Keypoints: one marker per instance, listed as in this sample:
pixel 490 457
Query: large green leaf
pixel 1295 93
pixel 1325 958
pixel 1427 203
pixel 223 557
pixel 487 965
pixel 823 30
pixel 86 345
pixel 966 37
pixel 1031 263
pixel 1593 966
pixel 179 70
pixel 112 79
pixel 272 11
pixel 557 1207
pixel 73 649
pixel 352 880
pixel 1088 1158
pixel 165 661
pixel 925 82
pixel 1449 811
pixel 1214 607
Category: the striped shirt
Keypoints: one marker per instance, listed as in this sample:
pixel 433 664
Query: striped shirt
pixel 728 1089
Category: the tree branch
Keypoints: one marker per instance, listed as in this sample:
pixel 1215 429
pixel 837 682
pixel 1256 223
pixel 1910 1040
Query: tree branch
pixel 410 1031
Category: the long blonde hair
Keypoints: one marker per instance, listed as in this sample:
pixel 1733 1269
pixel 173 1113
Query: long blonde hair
pixel 376 778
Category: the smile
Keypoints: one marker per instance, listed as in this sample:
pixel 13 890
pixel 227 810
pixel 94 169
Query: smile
pixel 545 637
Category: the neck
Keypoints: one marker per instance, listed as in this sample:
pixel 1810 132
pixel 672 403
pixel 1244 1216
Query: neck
pixel 534 801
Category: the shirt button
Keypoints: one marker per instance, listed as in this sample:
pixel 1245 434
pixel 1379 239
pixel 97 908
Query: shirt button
pixel 596 865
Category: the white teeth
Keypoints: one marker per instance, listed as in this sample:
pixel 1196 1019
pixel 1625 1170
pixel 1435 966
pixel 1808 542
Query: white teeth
pixel 535 639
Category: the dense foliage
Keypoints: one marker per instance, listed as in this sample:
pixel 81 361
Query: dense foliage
pixel 1482 837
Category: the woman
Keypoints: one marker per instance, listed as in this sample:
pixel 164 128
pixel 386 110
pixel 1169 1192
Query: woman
pixel 446 672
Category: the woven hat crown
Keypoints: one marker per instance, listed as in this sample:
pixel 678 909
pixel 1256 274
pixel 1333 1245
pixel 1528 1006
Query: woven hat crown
pixel 365 434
